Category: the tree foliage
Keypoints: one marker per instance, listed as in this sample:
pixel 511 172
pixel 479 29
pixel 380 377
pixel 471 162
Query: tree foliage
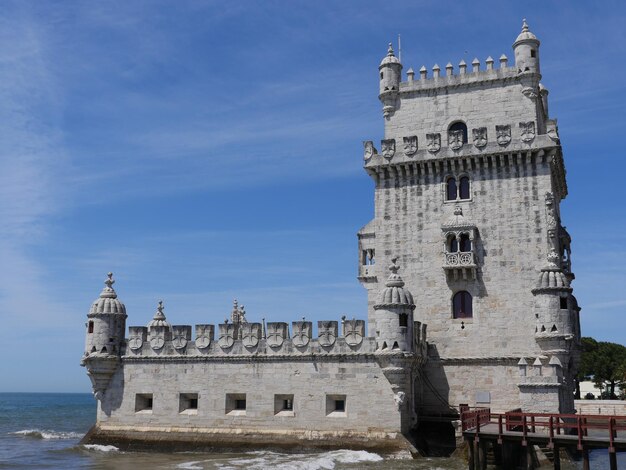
pixel 604 363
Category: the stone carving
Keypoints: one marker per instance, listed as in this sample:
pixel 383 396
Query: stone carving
pixel 238 314
pixel 136 335
pixel 503 134
pixel 180 336
pixel 480 137
pixel 552 130
pixel 410 145
pixel 276 334
pixel 530 92
pixel 250 334
pixel 369 150
pixel 204 336
pixel 433 142
pixel 354 331
pixel 327 333
pixel 301 333
pixel 527 130
pixel 388 148
pixel 551 217
pixel 399 398
pixel 157 337
pixel 227 335
pixel 455 139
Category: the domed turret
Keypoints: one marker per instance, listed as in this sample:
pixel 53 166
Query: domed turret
pixel 159 319
pixel 394 314
pixel 526 48
pixel 106 325
pixel 390 75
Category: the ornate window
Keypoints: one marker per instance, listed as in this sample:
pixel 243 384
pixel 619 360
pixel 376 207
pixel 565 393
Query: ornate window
pixel 457 188
pixel 459 257
pixel 462 305
pixel 466 243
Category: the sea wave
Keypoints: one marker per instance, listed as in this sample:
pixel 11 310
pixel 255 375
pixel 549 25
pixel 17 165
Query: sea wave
pixel 261 460
pixel 47 434
pixel 99 448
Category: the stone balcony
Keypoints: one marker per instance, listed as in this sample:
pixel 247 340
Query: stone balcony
pixel 460 264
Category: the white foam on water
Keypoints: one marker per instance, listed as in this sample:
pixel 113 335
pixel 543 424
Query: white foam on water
pixel 99 448
pixel 322 461
pixel 190 465
pixel 46 434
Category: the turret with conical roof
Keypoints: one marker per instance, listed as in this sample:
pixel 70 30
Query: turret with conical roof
pixel 394 314
pixel 106 325
pixel 526 49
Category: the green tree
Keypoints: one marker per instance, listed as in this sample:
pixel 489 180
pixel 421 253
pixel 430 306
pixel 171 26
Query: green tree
pixel 604 363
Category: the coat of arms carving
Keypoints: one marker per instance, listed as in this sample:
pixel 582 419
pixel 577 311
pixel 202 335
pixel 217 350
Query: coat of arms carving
pixel 227 335
pixel 410 145
pixel 136 337
pixel 157 338
pixel 301 333
pixel 433 142
pixel 552 130
pixel 527 130
pixel 326 333
pixel 276 334
pixel 480 137
pixel 369 150
pixel 180 336
pixel 354 331
pixel 388 148
pixel 503 134
pixel 204 336
pixel 455 139
pixel 250 334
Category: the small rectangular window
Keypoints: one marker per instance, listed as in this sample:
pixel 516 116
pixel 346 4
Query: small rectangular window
pixel 563 303
pixel 143 403
pixel 336 406
pixel 283 405
pixel 533 53
pixel 90 327
pixel 236 404
pixel 188 403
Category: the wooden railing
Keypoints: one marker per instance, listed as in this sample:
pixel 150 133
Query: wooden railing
pixel 474 417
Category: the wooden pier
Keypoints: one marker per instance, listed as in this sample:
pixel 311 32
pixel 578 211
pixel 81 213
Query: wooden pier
pixel 512 436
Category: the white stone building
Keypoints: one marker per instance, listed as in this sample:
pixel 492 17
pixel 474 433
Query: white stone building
pixel 468 185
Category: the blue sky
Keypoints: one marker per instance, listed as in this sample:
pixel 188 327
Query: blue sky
pixel 205 151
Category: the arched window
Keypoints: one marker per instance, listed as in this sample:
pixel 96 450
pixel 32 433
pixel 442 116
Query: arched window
pixel 462 305
pixel 451 189
pixel 466 244
pixel 453 244
pixel 459 126
pixel 464 188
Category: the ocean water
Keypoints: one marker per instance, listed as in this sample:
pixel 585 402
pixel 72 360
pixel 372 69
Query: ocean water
pixel 42 431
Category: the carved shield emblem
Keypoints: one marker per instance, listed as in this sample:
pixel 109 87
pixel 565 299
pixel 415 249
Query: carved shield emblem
pixel 276 334
pixel 527 130
pixel 227 335
pixel 388 148
pixel 157 339
pixel 301 333
pixel 136 337
pixel 354 331
pixel 552 130
pixel 204 335
pixel 410 145
pixel 480 137
pixel 369 150
pixel 455 139
pixel 250 334
pixel 503 134
pixel 135 342
pixel 326 333
pixel 433 142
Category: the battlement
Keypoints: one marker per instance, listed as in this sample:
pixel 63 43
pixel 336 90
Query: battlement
pixel 464 76
pixel 257 339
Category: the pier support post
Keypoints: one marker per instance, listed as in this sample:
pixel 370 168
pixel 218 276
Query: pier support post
pixel 612 460
pixel 506 454
pixel 470 454
pixel 557 457
pixel 586 458
pixel 482 450
pixel 476 456
pixel 528 457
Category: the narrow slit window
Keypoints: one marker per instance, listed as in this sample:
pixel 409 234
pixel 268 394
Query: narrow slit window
pixel 453 245
pixel 403 319
pixel 451 189
pixel 464 188
pixel 90 327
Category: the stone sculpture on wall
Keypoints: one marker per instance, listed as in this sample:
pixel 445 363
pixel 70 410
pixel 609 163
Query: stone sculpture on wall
pixel 480 137
pixel 354 331
pixel 455 139
pixel 527 130
pixel 433 142
pixel 227 335
pixel 388 148
pixel 136 336
pixel 276 334
pixel 204 336
pixel 180 336
pixel 369 150
pixel 410 145
pixel 157 337
pixel 301 333
pixel 503 134
pixel 250 334
pixel 327 333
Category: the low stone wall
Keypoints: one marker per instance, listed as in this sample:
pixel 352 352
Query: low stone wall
pixel 602 407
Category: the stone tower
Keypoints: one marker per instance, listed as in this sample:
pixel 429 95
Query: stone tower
pixel 104 339
pixel 468 185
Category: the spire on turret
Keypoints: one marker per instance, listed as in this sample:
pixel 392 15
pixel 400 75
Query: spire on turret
pixel 159 317
pixel 526 48
pixel 108 292
pixel 394 292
